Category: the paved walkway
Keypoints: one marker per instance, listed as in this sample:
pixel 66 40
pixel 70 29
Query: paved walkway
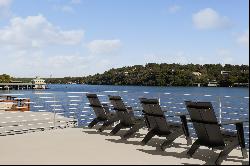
pixel 87 146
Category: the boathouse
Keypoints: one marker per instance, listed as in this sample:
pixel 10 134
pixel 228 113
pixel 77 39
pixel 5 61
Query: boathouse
pixel 38 83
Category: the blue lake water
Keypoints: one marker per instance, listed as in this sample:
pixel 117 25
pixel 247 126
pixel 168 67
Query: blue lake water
pixel 71 101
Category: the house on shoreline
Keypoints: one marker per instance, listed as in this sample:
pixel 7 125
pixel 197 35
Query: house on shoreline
pixel 213 84
pixel 38 83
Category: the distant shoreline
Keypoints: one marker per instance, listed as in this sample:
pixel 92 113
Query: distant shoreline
pixel 246 87
pixel 148 85
pixel 167 75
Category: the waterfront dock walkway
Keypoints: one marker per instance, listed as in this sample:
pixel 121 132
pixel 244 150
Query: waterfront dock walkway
pixel 16 122
pixel 88 146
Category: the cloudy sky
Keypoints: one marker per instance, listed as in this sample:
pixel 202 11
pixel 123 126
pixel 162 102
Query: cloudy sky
pixel 82 37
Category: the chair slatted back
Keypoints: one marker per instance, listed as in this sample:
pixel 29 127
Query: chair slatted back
pixel 205 123
pixel 98 108
pixel 124 114
pixel 154 115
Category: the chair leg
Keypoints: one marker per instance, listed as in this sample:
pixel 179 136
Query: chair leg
pixel 244 153
pixel 134 129
pixel 223 154
pixel 105 124
pixel 170 138
pixel 189 140
pixel 193 148
pixel 184 125
pixel 149 135
pixel 116 129
pixel 241 139
pixel 94 122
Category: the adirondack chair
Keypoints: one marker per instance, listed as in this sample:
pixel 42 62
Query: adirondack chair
pixel 158 125
pixel 209 131
pixel 102 113
pixel 126 117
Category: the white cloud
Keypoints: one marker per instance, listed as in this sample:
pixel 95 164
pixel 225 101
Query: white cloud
pixel 33 46
pixel 43 63
pixel 29 63
pixel 5 8
pixel 210 19
pixel 75 1
pixel 225 56
pixel 177 57
pixel 5 3
pixel 244 39
pixel 103 46
pixel 174 9
pixel 223 52
pixel 221 55
pixel 67 9
pixel 36 32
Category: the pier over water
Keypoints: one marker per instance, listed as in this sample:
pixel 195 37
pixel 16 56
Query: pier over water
pixel 16 86
pixel 36 83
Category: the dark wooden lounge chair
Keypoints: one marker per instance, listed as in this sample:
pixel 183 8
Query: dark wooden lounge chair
pixel 158 125
pixel 210 134
pixel 126 117
pixel 102 113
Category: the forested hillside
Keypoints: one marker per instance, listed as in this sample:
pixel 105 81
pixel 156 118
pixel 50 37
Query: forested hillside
pixel 153 74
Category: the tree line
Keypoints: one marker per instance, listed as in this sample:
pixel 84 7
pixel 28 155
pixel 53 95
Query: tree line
pixel 153 74
pixel 4 78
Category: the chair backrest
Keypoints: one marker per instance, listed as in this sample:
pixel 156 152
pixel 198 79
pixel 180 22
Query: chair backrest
pixel 124 114
pixel 98 108
pixel 205 123
pixel 154 116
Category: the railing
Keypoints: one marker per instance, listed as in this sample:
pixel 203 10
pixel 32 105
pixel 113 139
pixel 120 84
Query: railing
pixel 43 115
pixel 226 107
pixel 75 105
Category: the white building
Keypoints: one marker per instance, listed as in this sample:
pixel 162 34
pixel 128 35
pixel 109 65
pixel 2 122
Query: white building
pixel 197 74
pixel 39 83
pixel 213 84
pixel 225 73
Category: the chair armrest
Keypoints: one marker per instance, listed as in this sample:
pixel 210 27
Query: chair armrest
pixel 239 128
pixel 104 104
pixel 74 121
pixel 106 107
pixel 184 121
pixel 171 116
pixel 164 110
pixel 138 110
pixel 181 113
pixel 128 107
pixel 233 122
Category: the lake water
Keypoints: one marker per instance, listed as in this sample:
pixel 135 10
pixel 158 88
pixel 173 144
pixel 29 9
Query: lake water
pixel 71 101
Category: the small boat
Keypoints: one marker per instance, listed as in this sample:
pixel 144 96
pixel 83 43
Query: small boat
pixel 10 103
pixel 6 105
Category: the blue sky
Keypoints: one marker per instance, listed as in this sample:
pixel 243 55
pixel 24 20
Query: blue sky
pixel 82 37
